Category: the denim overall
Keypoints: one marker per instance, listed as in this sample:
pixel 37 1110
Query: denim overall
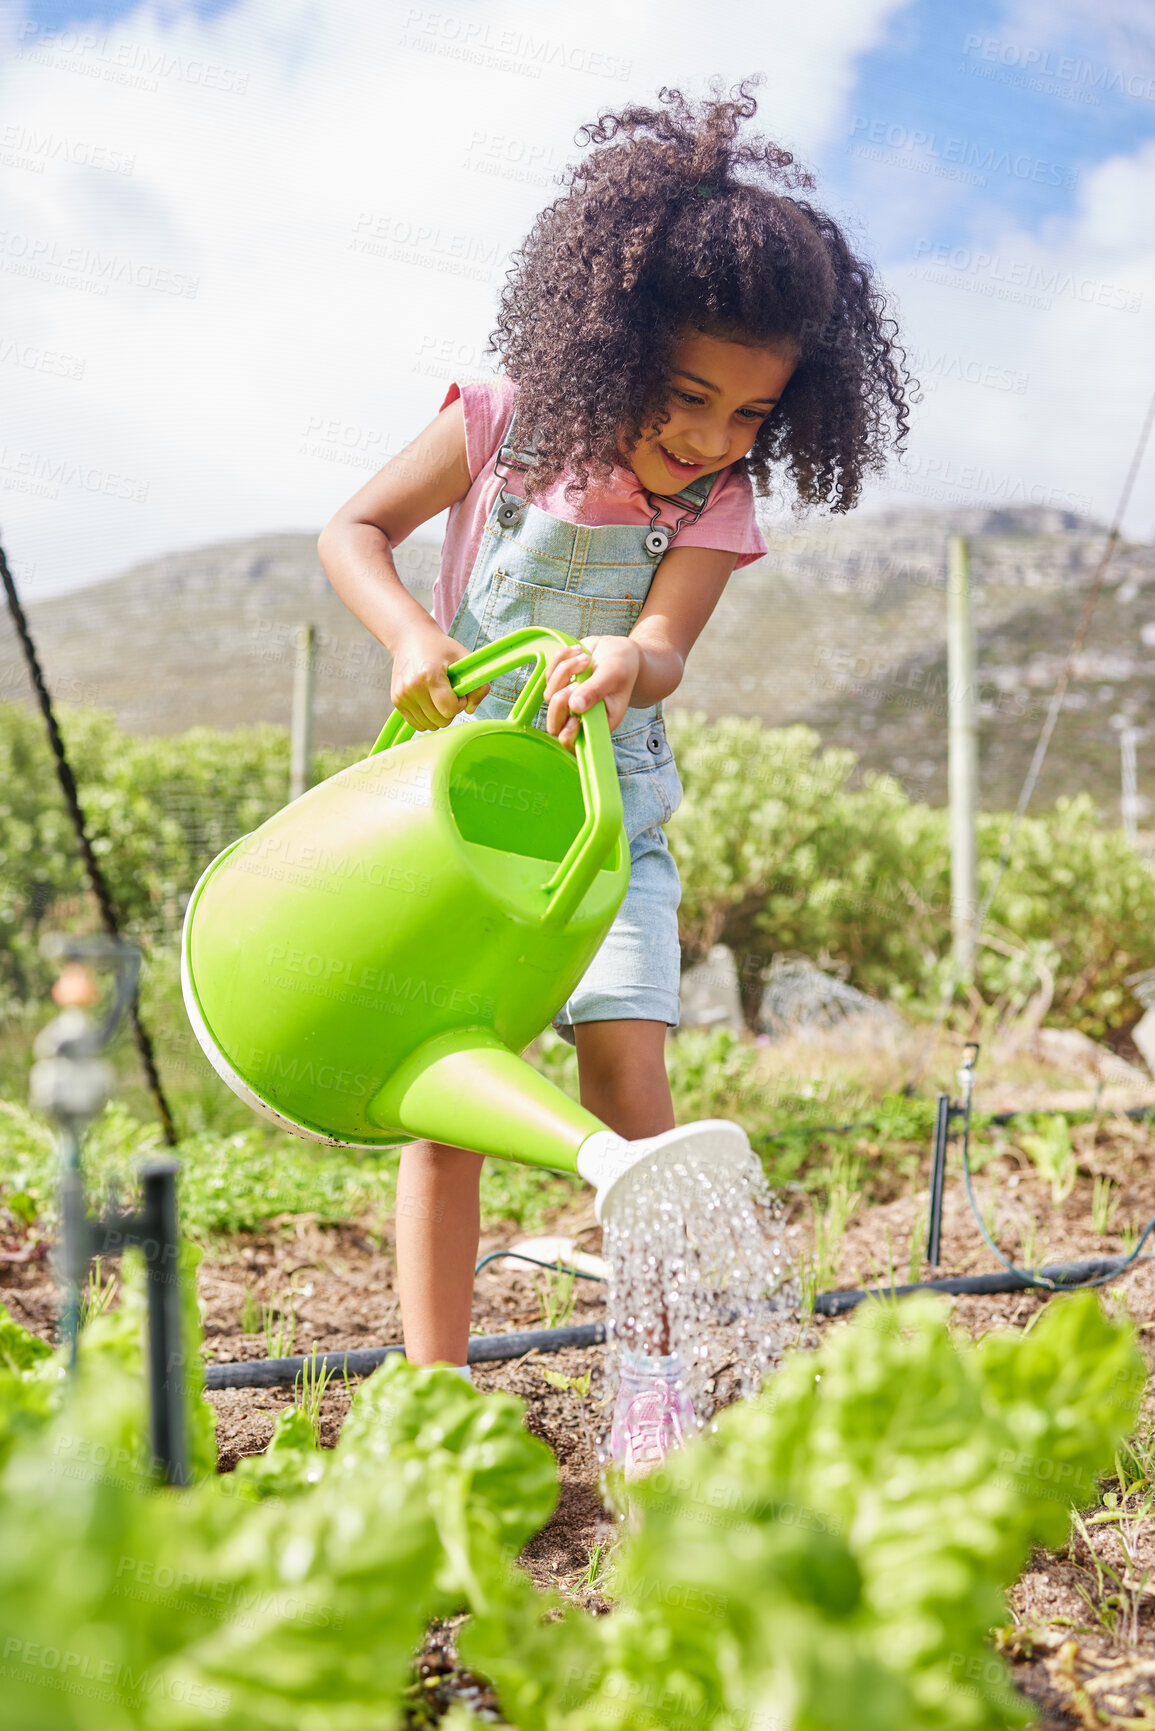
pixel 535 569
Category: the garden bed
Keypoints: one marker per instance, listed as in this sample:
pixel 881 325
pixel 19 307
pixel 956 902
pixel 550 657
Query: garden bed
pixel 1081 1635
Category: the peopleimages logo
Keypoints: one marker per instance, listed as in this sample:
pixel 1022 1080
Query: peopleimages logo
pixel 1025 280
pixel 950 152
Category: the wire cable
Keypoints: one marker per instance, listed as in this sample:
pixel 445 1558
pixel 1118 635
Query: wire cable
pixel 554 1267
pixel 966 1079
pixel 96 876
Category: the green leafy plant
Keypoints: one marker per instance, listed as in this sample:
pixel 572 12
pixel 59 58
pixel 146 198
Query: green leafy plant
pixel 843 1490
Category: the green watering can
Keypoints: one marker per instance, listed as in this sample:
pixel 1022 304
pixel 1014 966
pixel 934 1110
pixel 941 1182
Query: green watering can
pixel 364 968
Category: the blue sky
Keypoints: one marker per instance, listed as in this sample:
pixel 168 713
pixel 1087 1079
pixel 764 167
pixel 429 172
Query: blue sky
pixel 953 73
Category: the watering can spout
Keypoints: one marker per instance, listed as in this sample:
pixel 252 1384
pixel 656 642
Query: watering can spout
pixel 469 1090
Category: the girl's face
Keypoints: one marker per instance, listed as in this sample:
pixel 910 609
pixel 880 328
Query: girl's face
pixel 719 395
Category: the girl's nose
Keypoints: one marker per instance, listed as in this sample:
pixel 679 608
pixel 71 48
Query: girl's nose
pixel 706 445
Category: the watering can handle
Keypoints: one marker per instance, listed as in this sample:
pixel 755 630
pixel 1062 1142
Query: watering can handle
pixel 601 794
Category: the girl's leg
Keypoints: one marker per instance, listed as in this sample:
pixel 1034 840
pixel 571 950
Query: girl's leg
pixel 438 1226
pixel 622 1067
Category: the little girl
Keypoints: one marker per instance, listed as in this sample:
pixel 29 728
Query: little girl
pixel 675 326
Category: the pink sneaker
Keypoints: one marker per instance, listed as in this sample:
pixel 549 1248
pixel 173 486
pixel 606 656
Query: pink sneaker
pixel 652 1415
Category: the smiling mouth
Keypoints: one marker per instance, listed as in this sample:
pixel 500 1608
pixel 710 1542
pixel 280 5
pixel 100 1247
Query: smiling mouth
pixel 679 463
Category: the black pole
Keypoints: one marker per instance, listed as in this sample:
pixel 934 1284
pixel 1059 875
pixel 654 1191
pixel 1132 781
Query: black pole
pixel 937 1179
pixel 165 1346
pixel 154 1231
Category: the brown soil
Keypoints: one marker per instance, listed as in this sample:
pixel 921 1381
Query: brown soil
pixel 1081 1643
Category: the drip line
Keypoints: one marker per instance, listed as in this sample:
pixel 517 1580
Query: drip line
pixel 498 1348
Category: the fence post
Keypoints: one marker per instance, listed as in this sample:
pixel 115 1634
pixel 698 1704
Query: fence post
pixel 301 737
pixel 962 762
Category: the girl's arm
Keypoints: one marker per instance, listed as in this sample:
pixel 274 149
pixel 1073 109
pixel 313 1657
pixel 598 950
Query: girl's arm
pixel 648 665
pixel 356 550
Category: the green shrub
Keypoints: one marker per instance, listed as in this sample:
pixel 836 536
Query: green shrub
pixel 782 848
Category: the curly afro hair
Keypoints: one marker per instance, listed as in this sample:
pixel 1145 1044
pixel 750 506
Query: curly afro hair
pixel 676 223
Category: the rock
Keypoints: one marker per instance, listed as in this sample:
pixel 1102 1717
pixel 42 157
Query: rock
pixel 1143 1034
pixel 709 994
pixel 1068 1049
pixel 800 997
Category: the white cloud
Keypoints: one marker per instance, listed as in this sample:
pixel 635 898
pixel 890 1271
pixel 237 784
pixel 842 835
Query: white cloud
pixel 1039 351
pixel 192 195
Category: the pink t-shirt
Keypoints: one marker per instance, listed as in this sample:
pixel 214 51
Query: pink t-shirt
pixel 727 523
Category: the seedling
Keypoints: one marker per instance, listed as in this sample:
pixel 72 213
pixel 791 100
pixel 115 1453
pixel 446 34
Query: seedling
pixel 1029 1238
pixel 279 1323
pixel 579 1385
pixel 98 1294
pixel 917 1233
pixel 1104 1202
pixel 250 1318
pixel 593 1569
pixel 807 1285
pixel 309 1391
pixel 842 1198
pixel 1054 1158
pixel 556 1297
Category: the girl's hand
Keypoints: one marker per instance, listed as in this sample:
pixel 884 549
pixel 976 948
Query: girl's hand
pixel 420 688
pixel 616 664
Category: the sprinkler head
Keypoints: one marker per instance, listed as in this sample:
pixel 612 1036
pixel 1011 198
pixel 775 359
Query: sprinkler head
pixel 605 1160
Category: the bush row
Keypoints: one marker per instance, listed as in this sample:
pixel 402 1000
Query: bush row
pixel 783 847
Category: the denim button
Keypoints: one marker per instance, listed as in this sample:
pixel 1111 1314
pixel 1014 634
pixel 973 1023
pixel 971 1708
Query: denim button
pixel 654 742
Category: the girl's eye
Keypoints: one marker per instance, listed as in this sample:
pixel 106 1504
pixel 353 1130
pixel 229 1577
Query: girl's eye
pixel 746 414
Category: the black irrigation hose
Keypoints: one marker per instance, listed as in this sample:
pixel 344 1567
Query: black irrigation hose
pixel 483 1349
pixel 493 1348
pixel 96 877
pixel 1058 1278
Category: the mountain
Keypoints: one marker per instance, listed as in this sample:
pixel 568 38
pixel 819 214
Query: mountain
pixel 841 626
